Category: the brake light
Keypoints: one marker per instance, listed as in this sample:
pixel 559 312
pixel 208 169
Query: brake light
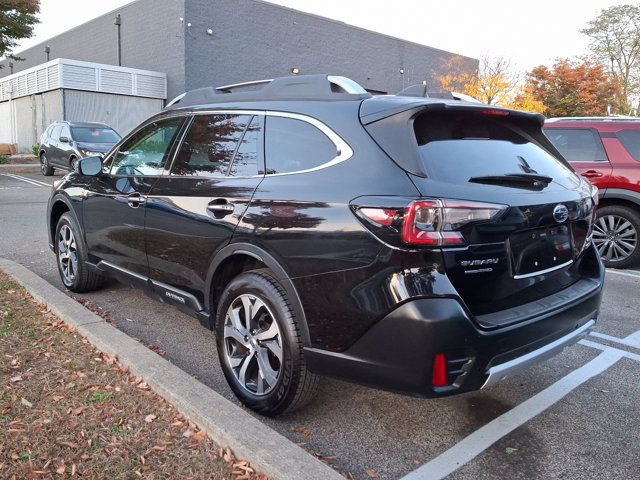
pixel 492 112
pixel 437 222
pixel 439 375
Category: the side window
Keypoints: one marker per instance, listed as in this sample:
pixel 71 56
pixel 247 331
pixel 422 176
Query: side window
pixel 65 132
pixel 292 145
pixel 577 144
pixel 248 159
pixel 146 152
pixel 209 146
pixel 631 141
pixel 55 132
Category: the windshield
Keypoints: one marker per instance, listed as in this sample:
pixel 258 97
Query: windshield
pixel 455 148
pixel 94 135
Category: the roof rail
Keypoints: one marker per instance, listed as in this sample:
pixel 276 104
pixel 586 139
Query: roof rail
pixel 420 90
pixel 228 88
pixel 299 87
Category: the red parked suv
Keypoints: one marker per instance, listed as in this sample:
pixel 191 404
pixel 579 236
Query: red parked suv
pixel 606 150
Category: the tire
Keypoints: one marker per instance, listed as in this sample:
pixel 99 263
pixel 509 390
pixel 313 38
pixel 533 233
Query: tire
pixel 616 234
pixel 45 167
pixel 286 384
pixel 73 161
pixel 71 257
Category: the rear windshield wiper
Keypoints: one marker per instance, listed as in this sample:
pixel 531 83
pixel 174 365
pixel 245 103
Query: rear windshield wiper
pixel 511 178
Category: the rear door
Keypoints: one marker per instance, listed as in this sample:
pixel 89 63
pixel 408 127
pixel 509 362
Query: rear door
pixel 583 148
pixel 114 207
pixel 193 210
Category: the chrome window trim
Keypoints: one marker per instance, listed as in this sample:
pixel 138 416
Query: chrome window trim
pixel 343 150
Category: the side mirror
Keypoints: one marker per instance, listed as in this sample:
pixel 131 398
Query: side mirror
pixel 90 166
pixel 64 139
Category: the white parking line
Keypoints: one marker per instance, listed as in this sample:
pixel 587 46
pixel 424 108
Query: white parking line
pixel 632 340
pixel 606 348
pixel 629 273
pixel 31 181
pixel 26 179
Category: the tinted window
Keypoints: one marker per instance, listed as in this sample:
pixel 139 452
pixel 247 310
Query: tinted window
pixel 248 159
pixel 94 135
pixel 577 144
pixel 65 131
pixel 457 147
pixel 631 141
pixel 292 145
pixel 55 132
pixel 209 145
pixel 146 152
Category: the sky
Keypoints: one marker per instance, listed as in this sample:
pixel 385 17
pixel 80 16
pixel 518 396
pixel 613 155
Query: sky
pixel 529 33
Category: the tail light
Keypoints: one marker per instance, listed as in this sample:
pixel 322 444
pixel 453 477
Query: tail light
pixel 429 222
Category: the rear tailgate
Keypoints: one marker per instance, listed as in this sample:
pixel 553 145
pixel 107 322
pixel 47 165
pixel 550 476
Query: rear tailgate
pixel 480 154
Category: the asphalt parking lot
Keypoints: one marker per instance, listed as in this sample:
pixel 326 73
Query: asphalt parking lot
pixel 575 416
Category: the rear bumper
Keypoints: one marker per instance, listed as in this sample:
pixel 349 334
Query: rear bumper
pixel 500 372
pixel 397 353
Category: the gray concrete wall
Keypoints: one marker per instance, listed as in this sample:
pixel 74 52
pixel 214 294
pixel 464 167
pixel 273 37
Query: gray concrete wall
pixel 121 112
pixel 152 39
pixel 254 40
pixel 33 114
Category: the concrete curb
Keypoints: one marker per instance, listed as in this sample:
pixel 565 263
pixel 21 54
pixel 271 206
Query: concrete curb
pixel 226 423
pixel 19 168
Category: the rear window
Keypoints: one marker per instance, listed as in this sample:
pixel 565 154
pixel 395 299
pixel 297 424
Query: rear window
pixel 456 147
pixel 94 135
pixel 631 141
pixel 577 144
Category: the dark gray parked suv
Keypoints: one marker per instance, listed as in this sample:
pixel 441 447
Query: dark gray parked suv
pixel 63 143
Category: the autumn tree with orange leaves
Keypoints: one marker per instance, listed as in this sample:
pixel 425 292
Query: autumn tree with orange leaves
pixel 495 83
pixel 575 88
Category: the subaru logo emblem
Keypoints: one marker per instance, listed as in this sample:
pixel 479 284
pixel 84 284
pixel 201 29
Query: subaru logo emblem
pixel 560 213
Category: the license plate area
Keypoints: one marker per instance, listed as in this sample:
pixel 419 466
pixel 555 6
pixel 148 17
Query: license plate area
pixel 540 249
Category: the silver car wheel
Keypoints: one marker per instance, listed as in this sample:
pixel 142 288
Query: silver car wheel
pixel 615 237
pixel 67 254
pixel 253 344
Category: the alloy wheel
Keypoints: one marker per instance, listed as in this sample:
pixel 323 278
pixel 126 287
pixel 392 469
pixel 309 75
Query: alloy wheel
pixel 615 237
pixel 67 254
pixel 44 163
pixel 253 344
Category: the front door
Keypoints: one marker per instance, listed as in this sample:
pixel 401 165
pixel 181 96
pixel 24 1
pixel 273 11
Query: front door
pixel 114 207
pixel 193 211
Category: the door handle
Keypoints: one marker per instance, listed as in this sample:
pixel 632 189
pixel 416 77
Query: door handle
pixel 220 207
pixel 592 174
pixel 135 200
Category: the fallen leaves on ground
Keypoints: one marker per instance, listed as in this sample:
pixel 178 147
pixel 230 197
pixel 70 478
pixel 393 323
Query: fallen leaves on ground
pixel 69 411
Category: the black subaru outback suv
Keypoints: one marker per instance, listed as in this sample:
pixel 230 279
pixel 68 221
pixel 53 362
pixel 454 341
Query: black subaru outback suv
pixel 421 245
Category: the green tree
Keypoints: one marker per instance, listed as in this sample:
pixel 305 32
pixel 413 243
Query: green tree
pixel 615 41
pixel 17 18
pixel 571 88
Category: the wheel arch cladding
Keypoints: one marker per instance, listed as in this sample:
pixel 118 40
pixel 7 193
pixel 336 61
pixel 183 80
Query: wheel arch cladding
pixel 240 257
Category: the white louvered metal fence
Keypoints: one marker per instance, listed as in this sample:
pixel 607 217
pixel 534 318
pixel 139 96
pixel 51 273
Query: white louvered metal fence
pixel 87 76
